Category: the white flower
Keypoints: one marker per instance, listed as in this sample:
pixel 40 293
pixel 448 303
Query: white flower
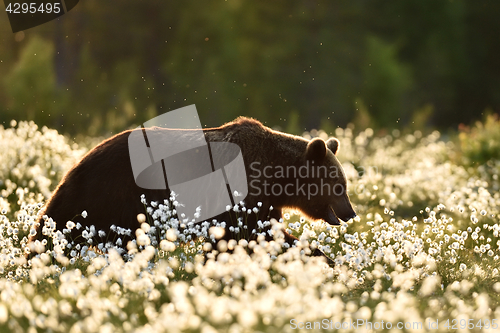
pixel 145 227
pixel 217 232
pixel 143 240
pixel 171 235
pixel 84 214
pixel 167 246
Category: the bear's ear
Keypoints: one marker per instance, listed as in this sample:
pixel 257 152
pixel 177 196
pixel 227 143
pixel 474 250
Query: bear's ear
pixel 333 145
pixel 316 149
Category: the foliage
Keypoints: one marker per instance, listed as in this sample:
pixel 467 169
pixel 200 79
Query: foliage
pixel 31 83
pixel 481 143
pixel 387 82
pixel 254 58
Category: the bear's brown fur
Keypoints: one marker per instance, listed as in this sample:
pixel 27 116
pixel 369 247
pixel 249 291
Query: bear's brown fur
pixel 103 185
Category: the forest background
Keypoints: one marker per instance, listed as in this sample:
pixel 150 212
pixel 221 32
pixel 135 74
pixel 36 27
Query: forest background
pixel 295 65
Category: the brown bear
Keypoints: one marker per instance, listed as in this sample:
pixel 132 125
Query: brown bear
pixel 282 170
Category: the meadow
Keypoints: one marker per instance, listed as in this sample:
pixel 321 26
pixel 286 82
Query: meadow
pixel 422 255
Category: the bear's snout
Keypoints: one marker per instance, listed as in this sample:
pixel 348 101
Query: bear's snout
pixel 343 208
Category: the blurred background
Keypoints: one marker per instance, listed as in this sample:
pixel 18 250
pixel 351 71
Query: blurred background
pixel 296 65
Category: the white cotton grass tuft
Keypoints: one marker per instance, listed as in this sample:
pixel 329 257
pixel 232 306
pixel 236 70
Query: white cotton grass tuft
pixel 171 235
pixel 141 218
pixel 217 232
pixel 167 246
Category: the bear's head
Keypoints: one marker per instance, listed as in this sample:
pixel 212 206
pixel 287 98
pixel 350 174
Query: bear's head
pixel 326 175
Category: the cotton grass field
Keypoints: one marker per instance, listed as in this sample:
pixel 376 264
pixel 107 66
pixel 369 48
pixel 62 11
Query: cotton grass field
pixel 422 255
